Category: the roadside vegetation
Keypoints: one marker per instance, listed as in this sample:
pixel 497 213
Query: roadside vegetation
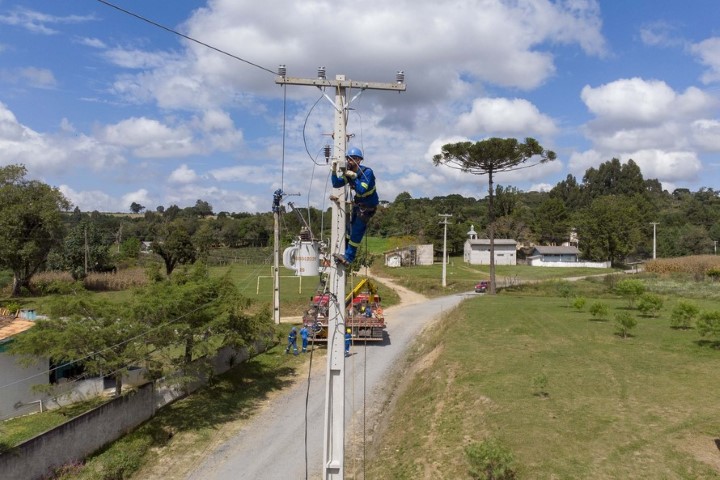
pixel 529 386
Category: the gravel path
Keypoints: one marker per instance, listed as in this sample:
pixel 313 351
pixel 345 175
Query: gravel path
pixel 272 445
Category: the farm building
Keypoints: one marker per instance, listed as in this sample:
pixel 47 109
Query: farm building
pixel 568 254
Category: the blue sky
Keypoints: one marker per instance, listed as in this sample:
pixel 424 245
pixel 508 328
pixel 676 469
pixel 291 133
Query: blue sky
pixel 113 110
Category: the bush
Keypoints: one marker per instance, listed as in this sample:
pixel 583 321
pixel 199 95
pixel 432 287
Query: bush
pixel 578 303
pixel 683 314
pixel 650 304
pixel 709 324
pixel 630 289
pixel 624 322
pixel 490 461
pixel 599 310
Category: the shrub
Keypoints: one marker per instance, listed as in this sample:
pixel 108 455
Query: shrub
pixel 578 303
pixel 489 460
pixel 599 310
pixel 714 273
pixel 683 314
pixel 540 383
pixel 709 323
pixel 624 322
pixel 631 289
pixel 650 304
pixel 565 290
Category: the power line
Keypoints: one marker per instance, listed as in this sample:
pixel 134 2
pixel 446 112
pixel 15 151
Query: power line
pixel 156 24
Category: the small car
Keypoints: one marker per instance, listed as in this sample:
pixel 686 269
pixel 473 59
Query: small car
pixel 481 287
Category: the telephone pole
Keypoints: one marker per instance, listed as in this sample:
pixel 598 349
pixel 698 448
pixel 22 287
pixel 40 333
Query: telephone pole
pixel 654 224
pixel 444 270
pixel 334 425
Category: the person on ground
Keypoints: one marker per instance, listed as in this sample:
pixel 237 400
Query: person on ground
pixel 361 180
pixel 304 337
pixel 292 341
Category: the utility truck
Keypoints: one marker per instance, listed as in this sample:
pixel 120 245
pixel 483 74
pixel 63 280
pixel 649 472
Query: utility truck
pixel 364 314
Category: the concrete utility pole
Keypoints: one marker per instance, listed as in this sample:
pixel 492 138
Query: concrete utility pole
pixel 654 224
pixel 277 198
pixel 334 442
pixel 444 270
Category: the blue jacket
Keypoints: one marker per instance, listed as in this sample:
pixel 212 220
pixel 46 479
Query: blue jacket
pixel 364 186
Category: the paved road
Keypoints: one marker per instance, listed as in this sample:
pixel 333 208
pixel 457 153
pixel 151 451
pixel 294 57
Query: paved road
pixel 272 446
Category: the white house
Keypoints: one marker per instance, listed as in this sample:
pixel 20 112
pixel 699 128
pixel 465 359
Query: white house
pixel 476 251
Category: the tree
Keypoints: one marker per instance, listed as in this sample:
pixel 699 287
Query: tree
pixel 30 223
pixel 84 329
pixel 176 249
pixel 609 228
pixel 136 207
pixel 683 315
pixel 84 250
pixel 624 322
pixel 488 157
pixel 631 289
pixel 552 222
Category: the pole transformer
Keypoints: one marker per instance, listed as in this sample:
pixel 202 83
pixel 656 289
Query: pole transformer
pixel 334 425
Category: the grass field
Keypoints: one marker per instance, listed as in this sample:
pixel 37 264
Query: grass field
pixel 644 407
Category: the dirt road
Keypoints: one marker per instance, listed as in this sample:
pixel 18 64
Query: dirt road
pixel 273 445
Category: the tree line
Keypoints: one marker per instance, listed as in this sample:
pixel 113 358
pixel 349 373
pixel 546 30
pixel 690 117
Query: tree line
pixel 610 211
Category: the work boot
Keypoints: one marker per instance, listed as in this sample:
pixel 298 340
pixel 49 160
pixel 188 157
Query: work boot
pixel 340 259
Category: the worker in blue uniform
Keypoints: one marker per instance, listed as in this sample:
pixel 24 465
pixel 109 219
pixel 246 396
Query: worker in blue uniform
pixel 361 180
pixel 292 341
pixel 304 336
pixel 348 341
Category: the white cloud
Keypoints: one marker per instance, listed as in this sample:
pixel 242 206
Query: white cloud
pixel 89 201
pixel 44 154
pixel 452 45
pixel 667 166
pixel 660 33
pixel 504 116
pixel 37 22
pixel 29 77
pixel 638 102
pixel 183 174
pixel 708 52
pixel 706 134
pixel 140 196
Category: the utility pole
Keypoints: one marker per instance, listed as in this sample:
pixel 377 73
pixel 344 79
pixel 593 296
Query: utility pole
pixel 654 224
pixel 444 270
pixel 277 198
pixel 334 441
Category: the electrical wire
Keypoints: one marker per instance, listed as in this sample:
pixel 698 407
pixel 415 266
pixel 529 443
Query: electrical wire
pixel 168 29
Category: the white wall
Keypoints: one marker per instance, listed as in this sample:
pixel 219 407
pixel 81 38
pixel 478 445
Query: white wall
pixel 17 381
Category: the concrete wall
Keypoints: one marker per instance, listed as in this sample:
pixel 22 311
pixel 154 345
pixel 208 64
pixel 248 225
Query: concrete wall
pixel 78 438
pixel 538 262
pixel 480 254
pixel 425 254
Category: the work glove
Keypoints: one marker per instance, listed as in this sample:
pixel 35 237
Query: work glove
pixel 334 167
pixel 350 175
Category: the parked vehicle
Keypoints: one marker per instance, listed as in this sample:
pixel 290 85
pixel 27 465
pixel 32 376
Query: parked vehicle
pixel 363 309
pixel 481 287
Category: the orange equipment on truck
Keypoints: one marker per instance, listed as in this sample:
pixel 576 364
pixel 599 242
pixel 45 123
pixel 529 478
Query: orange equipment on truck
pixel 363 314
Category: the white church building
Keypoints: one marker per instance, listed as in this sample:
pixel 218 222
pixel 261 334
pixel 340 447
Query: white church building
pixel 476 251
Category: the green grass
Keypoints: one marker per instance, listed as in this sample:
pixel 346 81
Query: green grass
pixel 17 430
pixel 641 407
